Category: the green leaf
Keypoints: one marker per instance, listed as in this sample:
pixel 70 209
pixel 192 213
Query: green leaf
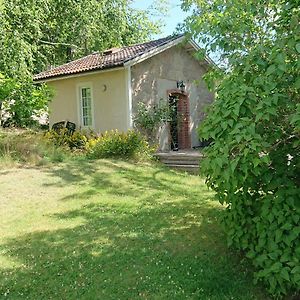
pixel 238 138
pixel 282 67
pixel 296 270
pixel 233 164
pixel 298 47
pixel 297 278
pixel 276 267
pixel 297 83
pixel 287 226
pixel 271 69
pixel 259 116
pixel 251 254
pixel 256 162
pixel 278 235
pixel 284 273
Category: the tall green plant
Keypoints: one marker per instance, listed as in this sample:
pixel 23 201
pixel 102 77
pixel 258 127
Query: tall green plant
pixel 149 117
pixel 254 164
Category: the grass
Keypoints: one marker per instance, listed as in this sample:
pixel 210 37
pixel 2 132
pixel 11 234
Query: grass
pixel 114 230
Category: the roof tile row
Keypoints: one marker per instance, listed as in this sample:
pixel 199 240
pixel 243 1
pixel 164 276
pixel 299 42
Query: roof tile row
pixel 101 61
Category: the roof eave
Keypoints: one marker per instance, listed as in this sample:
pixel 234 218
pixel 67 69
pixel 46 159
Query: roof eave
pixel 155 51
pixel 136 60
pixel 198 48
pixel 78 74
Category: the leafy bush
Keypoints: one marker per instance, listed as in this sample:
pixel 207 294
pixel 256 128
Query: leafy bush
pixel 254 162
pixel 118 144
pixel 22 102
pixel 76 140
pixel 148 118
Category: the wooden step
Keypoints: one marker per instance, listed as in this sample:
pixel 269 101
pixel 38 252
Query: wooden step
pixel 187 161
pixel 180 161
pixel 179 155
pixel 193 169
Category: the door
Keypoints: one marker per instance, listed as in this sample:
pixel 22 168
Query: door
pixel 173 106
pixel 179 121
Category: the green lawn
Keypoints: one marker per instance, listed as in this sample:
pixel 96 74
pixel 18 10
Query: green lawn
pixel 114 230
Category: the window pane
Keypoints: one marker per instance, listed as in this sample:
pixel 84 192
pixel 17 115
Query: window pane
pixel 88 93
pixel 86 106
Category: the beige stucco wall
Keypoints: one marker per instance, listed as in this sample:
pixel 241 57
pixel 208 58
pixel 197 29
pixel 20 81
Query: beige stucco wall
pixel 110 105
pixel 153 77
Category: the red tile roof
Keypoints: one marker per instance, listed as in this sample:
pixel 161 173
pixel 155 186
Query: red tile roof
pixel 105 60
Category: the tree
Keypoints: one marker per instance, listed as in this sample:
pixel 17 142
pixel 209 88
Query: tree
pixel 21 101
pixel 253 163
pixel 37 34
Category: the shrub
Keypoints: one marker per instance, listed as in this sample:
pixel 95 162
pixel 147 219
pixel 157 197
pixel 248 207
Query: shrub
pixel 118 144
pixel 74 141
pixel 149 118
pixel 254 163
pixel 22 102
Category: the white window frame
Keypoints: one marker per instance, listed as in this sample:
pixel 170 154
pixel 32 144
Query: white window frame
pixel 80 87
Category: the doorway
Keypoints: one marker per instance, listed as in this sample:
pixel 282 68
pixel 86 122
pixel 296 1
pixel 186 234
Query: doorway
pixel 173 106
pixel 179 121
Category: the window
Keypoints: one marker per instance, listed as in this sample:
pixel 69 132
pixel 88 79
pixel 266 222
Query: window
pixel 86 110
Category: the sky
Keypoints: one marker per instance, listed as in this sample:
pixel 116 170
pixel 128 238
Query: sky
pixel 175 15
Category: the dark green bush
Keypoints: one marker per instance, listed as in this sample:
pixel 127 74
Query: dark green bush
pixel 118 144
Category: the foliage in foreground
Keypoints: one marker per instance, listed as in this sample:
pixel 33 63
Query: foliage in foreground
pixel 254 163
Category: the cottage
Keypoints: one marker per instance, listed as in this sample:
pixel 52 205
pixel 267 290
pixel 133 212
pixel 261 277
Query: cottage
pixel 101 91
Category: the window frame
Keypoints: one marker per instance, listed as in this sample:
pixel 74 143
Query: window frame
pixel 80 87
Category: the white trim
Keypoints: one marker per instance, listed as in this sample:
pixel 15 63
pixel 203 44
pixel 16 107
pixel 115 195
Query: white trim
pixel 128 89
pixel 153 52
pixel 197 48
pixel 194 45
pixel 78 75
pixel 79 87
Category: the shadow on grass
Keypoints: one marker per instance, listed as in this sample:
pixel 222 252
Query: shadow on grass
pixel 134 181
pixel 166 246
